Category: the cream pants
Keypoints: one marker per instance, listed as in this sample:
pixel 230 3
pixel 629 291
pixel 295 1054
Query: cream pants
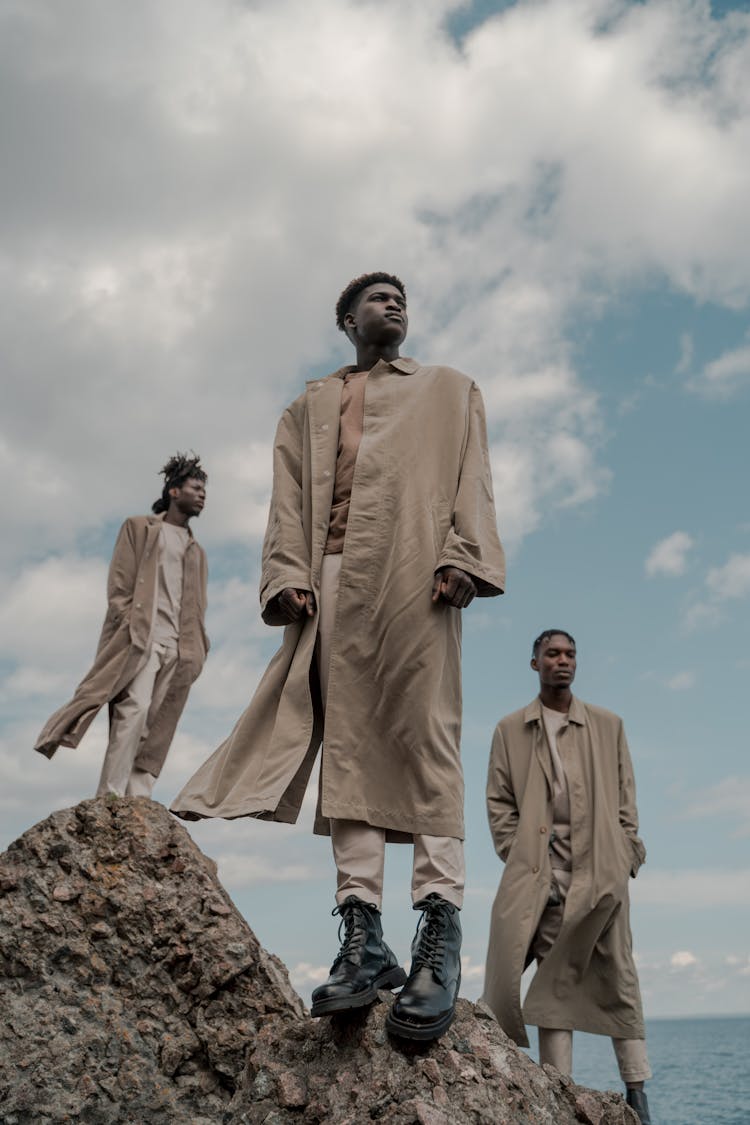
pixel 556 1044
pixel 359 848
pixel 130 719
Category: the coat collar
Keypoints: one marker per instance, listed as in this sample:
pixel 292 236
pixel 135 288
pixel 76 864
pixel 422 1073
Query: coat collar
pixel 576 714
pixel 155 522
pixel 403 365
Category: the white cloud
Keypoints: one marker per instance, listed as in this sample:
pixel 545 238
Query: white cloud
pixel 725 374
pixel 683 959
pixel 723 584
pixel 681 681
pixel 728 799
pixel 186 300
pixel 669 555
pixel 687 349
pixel 238 871
pixel 694 889
pixel 305 976
pixel 732 580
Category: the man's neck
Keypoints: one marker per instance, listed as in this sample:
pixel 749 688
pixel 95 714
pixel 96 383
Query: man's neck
pixel 176 517
pixel 557 699
pixel 369 354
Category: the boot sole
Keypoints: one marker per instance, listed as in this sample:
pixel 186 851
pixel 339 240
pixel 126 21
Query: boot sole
pixel 393 978
pixel 423 1032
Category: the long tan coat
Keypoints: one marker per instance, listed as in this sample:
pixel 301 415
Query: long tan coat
pixel 125 639
pixel 421 499
pixel 588 980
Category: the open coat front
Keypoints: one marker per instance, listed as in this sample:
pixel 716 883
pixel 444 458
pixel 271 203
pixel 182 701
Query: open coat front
pixel 588 980
pixel 421 499
pixel 125 638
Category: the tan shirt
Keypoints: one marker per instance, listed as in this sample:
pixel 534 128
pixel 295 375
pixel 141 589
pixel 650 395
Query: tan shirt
pixel 560 848
pixel 351 426
pixel 173 542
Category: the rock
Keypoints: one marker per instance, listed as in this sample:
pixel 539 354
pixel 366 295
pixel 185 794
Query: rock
pixel 133 991
pixel 130 985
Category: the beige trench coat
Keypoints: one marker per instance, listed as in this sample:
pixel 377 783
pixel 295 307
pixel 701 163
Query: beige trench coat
pixel 421 499
pixel 125 639
pixel 588 980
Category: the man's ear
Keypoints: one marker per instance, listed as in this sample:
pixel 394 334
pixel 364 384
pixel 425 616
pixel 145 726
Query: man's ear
pixel 533 663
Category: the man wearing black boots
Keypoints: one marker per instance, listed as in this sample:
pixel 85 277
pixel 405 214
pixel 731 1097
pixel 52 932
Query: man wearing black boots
pixel 381 530
pixel 563 817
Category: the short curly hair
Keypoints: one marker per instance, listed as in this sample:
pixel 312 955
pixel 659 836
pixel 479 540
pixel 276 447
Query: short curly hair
pixel 545 636
pixel 354 288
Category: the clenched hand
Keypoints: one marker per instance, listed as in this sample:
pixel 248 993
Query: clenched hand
pixel 453 586
pixel 295 603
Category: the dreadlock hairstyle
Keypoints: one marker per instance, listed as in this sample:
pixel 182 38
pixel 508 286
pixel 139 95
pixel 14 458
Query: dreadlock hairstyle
pixel 177 470
pixel 545 636
pixel 354 288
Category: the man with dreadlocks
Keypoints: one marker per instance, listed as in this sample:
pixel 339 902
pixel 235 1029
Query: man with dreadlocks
pixel 381 530
pixel 153 643
pixel 563 818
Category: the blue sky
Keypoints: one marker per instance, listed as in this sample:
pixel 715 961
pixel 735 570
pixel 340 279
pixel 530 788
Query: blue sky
pixel 563 186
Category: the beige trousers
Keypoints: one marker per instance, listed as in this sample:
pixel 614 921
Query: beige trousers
pixel 556 1044
pixel 130 719
pixel 359 848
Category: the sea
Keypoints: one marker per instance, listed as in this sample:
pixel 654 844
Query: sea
pixel 701 1069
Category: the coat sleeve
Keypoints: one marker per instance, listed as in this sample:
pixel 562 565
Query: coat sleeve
pixel 628 810
pixel 472 543
pixel 204 599
pixel 286 555
pixel 502 810
pixel 120 581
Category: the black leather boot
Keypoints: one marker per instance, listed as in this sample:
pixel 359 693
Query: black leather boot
pixel 425 1007
pixel 363 965
pixel 638 1101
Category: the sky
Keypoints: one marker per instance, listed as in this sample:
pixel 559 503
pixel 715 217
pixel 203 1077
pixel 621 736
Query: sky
pixel 563 185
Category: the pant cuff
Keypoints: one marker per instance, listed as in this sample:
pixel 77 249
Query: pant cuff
pixel 360 892
pixel 450 894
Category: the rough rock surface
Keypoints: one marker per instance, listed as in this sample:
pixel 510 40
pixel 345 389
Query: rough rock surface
pixel 133 991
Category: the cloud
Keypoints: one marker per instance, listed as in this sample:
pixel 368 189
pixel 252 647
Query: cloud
pixel 681 681
pixel 304 976
pixel 169 271
pixel 723 584
pixel 694 889
pixel 683 959
pixel 728 799
pixel 732 580
pixel 724 375
pixel 238 871
pixel 669 555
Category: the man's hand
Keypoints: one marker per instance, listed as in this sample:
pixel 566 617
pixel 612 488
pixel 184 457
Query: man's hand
pixel 293 604
pixel 454 586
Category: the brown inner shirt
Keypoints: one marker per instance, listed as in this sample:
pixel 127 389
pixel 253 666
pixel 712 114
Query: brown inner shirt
pixel 560 845
pixel 351 426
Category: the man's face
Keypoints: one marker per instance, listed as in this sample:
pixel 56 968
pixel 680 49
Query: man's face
pixel 556 661
pixel 378 315
pixel 190 497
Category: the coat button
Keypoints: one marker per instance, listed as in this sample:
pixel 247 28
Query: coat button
pixel 326 473
pixel 535 870
pixel 324 427
pixel 543 830
pixel 137 605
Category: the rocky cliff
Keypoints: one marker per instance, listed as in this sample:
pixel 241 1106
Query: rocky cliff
pixel 132 990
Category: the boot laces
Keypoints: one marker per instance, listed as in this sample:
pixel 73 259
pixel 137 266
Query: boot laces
pixel 354 931
pixel 430 932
